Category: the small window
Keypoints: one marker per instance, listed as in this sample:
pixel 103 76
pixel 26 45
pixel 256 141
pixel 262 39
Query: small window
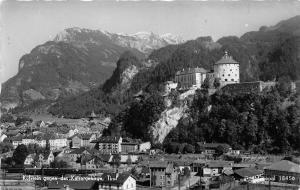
pixel 225 79
pixel 229 75
pixel 223 75
pixel 232 79
pixel 230 69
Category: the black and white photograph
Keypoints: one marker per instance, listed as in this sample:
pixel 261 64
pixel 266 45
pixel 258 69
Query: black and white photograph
pixel 149 94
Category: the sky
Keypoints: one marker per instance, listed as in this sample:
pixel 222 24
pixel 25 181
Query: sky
pixel 24 24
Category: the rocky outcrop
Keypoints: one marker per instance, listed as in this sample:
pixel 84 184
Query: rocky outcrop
pixel 170 117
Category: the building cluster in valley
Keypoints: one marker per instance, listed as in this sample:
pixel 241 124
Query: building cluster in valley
pixel 225 75
pixel 129 164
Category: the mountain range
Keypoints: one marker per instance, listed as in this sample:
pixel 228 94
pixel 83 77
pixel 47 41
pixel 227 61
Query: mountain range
pixel 76 61
pixel 266 54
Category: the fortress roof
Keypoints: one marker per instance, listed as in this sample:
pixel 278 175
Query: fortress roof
pixel 191 70
pixel 226 59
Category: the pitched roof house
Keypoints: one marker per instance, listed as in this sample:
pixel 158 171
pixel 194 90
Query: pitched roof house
pixel 122 181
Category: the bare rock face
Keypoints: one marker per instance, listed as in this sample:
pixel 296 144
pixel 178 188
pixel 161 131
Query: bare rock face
pixel 170 117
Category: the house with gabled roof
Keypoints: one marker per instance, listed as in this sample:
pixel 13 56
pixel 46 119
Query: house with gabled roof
pixel 162 174
pixel 16 141
pixel 122 181
pixel 250 175
pixel 29 160
pixel 44 158
pixel 216 167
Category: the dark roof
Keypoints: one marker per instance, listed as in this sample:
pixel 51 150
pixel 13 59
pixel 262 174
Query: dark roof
pixel 285 166
pixel 85 136
pixel 226 59
pixel 82 185
pixel 12 132
pixel 191 70
pixel 82 149
pixel 247 172
pixel 17 138
pixel 158 164
pixel 104 157
pixel 219 164
pixel 129 141
pixel 108 139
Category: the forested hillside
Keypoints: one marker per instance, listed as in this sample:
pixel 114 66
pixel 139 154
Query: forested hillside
pixel 256 122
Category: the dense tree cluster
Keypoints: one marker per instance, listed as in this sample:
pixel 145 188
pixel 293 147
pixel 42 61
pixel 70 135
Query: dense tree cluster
pixel 258 122
pixel 136 119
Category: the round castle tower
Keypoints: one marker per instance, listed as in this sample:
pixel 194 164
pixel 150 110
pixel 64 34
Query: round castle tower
pixel 227 70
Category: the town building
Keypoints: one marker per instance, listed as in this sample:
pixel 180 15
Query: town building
pixel 190 78
pixel 283 171
pixel 134 145
pixel 29 160
pixel 216 168
pixel 227 70
pixel 57 143
pixel 117 181
pixel 16 141
pixel 250 175
pixel 162 174
pixel 211 148
pixel 169 86
pixel 108 145
pixel 82 140
pixel 198 165
pixel 44 158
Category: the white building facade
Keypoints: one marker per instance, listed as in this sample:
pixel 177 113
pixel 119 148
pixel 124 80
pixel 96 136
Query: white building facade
pixel 191 77
pixel 227 70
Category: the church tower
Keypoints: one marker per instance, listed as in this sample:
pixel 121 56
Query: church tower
pixel 227 70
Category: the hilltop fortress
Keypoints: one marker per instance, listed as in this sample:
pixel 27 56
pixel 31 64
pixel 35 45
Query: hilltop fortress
pixel 226 71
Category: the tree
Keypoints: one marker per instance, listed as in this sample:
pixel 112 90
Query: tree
pixel 47 148
pixel 21 120
pixel 7 118
pixel 220 150
pixel 205 83
pixel 217 83
pixel 188 148
pixel 186 172
pixel 5 147
pixel 117 160
pixel 284 86
pixel 20 155
pixel 129 161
